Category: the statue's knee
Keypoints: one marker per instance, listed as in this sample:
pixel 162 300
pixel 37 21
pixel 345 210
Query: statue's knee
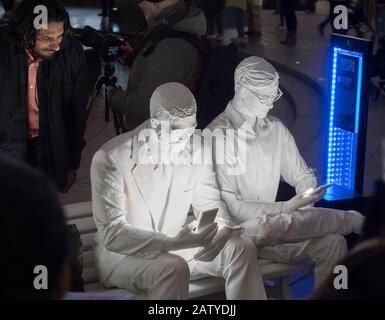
pixel 242 245
pixel 175 267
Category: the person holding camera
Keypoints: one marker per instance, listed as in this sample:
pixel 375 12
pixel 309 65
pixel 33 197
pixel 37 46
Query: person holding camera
pixel 172 59
pixel 43 92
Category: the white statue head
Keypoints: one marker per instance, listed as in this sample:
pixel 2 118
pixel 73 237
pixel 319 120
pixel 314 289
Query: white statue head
pixel 173 113
pixel 256 87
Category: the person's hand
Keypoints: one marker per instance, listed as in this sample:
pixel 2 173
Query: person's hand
pixel 302 200
pixel 109 89
pixel 126 51
pixel 71 178
pixel 188 238
pixel 209 252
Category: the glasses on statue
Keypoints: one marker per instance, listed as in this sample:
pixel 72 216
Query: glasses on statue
pixel 272 99
pixel 267 99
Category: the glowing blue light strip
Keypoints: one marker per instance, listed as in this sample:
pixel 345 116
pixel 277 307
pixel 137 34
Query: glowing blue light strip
pixel 331 118
pixel 358 102
pixel 341 143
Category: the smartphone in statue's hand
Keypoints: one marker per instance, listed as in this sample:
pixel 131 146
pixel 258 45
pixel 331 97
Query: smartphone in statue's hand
pixel 206 218
pixel 311 191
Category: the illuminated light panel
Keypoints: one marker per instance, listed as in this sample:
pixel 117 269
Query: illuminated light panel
pixel 342 143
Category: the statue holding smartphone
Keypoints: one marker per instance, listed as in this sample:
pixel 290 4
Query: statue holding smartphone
pixel 288 231
pixel 141 203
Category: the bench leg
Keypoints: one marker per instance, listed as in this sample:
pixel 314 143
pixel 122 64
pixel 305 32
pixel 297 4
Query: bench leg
pixel 285 288
pixel 280 290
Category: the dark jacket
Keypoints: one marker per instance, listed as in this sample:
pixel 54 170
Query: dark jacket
pixel 173 60
pixel 67 99
pixel 212 5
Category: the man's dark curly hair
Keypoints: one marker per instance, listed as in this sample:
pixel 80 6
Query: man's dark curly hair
pixel 23 20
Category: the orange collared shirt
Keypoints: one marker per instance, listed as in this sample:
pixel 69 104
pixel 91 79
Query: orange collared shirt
pixel 32 97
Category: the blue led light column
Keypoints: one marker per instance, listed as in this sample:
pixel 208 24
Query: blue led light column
pixel 347 117
pixel 343 123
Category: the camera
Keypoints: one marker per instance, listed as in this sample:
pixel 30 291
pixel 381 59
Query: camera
pixel 108 48
pixel 108 45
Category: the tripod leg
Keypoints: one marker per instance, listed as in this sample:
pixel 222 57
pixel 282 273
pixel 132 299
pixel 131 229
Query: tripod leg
pixel 106 103
pixel 93 96
pixel 117 126
pixel 121 123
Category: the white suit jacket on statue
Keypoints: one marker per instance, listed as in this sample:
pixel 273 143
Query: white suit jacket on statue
pixel 270 154
pixel 129 222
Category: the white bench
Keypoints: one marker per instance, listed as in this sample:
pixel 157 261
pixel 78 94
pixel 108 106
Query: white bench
pixel 81 215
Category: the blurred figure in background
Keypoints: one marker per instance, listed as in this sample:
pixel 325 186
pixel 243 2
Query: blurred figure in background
pixel 213 12
pixel 279 10
pixel 170 60
pixel 278 7
pixel 365 265
pixel 291 22
pixel 254 15
pixel 364 278
pixel 374 226
pixel 310 6
pixel 238 9
pixel 32 233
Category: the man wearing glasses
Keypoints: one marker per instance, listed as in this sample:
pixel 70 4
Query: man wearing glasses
pixel 290 231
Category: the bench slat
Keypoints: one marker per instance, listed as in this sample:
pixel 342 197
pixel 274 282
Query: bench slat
pixel 279 270
pixel 88 241
pixel 205 286
pixel 89 259
pixel 78 210
pixel 81 215
pixel 94 286
pixel 89 276
pixel 84 225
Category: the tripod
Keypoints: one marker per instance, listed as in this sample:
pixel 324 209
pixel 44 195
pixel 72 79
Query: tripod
pixel 107 79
